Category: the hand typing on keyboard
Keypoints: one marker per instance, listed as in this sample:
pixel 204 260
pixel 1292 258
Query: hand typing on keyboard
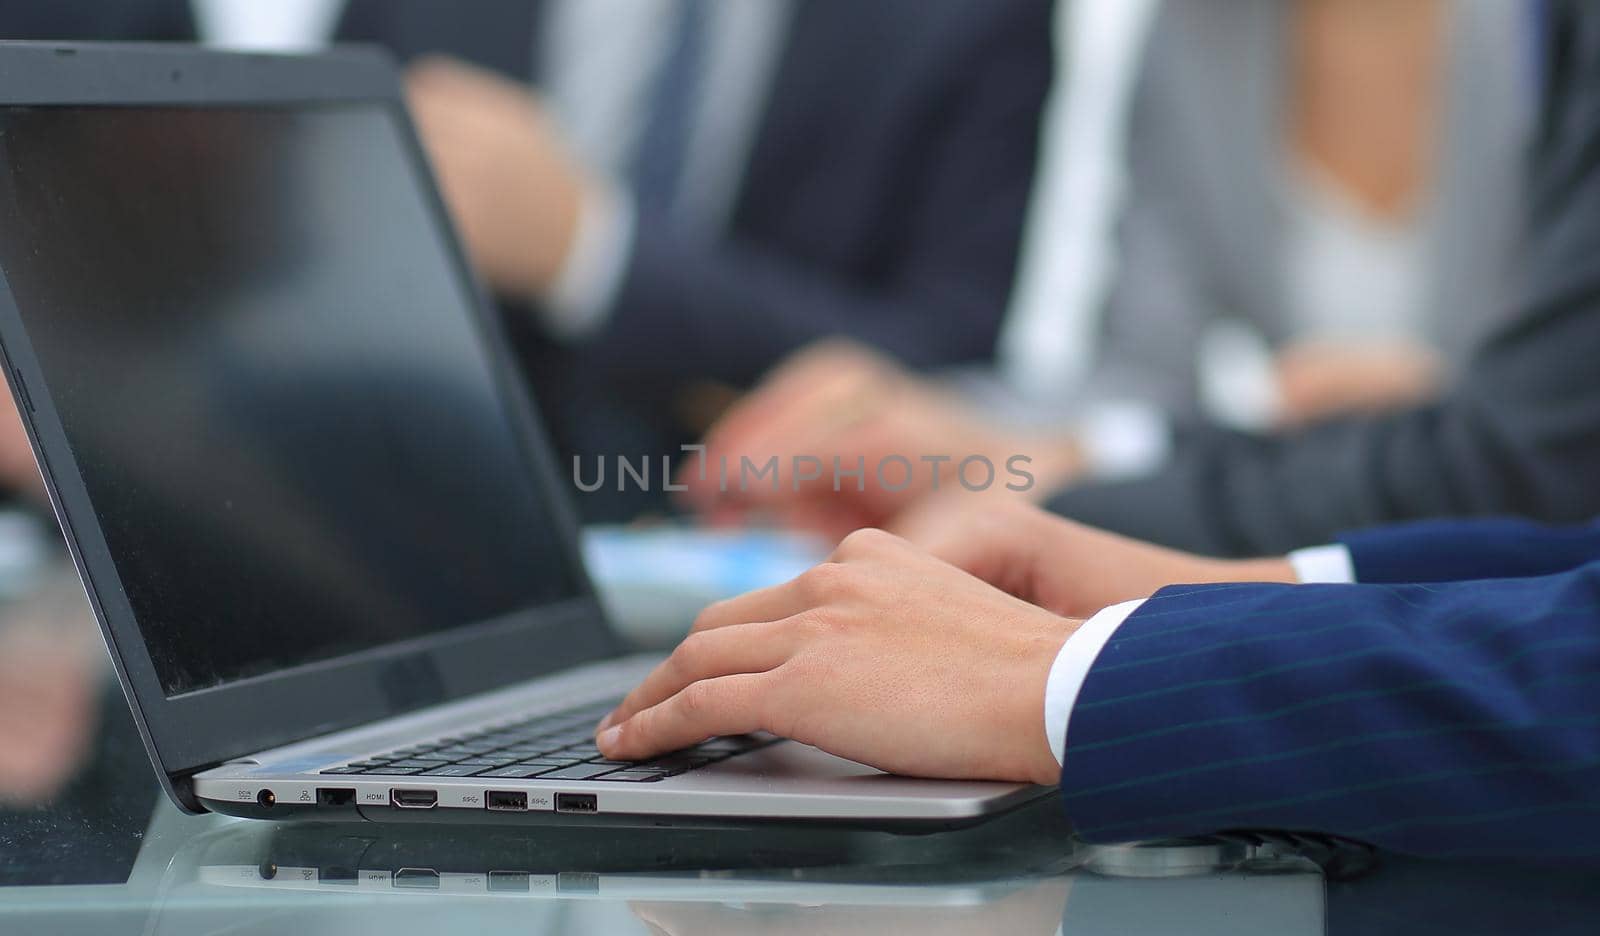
pixel 883 654
pixel 551 746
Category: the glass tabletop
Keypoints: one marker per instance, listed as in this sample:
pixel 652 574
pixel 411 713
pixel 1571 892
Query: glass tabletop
pixel 89 845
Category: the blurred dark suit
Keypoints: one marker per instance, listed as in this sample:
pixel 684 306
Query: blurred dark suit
pixel 1519 433
pixel 153 20
pixel 882 199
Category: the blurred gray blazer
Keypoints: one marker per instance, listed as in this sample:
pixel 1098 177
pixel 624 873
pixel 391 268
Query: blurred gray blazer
pixel 1518 433
pixel 1201 231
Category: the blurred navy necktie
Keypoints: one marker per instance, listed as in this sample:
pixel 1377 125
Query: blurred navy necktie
pixel 663 145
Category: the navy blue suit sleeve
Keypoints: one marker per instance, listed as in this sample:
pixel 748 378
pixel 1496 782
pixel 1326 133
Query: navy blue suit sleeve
pixel 1458 550
pixel 1443 720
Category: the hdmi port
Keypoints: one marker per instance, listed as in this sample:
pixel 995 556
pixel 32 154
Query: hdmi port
pixel 414 799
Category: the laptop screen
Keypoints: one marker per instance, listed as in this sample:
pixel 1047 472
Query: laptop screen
pixel 269 373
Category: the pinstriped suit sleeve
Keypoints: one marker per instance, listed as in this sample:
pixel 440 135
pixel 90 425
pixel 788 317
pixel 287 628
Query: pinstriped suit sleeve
pixel 1456 550
pixel 1446 719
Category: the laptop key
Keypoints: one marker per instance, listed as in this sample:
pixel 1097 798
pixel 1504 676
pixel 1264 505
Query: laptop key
pixel 452 770
pixel 634 776
pixel 576 772
pixel 678 763
pixel 734 745
pixel 351 769
pixel 392 771
pixel 518 772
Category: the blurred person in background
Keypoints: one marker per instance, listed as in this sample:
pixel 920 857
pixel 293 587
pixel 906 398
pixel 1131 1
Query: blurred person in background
pixel 79 20
pixel 699 187
pixel 1340 178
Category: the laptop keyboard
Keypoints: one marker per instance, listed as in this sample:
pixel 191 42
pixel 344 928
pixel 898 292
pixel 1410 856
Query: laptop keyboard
pixel 557 746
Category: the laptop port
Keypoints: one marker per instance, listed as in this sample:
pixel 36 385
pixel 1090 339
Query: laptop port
pixel 266 798
pixel 336 875
pixel 339 796
pixel 501 799
pixel 414 799
pixel 578 882
pixel 509 882
pixel 419 878
pixel 576 802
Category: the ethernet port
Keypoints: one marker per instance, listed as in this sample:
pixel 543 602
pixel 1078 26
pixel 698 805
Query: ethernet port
pixel 336 796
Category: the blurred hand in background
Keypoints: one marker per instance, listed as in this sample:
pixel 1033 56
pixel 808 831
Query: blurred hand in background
pixel 836 399
pixel 50 679
pixel 1320 379
pixel 514 191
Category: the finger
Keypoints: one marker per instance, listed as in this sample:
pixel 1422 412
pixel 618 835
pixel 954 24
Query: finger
pixel 816 371
pixel 790 419
pixel 954 540
pixel 831 520
pixel 773 603
pixel 751 648
pixel 727 705
pixel 810 483
pixel 735 436
pixel 796 410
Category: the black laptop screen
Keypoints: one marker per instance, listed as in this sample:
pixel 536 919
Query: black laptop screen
pixel 267 369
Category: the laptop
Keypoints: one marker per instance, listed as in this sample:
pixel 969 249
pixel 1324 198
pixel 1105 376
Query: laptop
pixel 305 490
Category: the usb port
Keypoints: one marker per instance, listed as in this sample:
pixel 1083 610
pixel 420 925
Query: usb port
pixel 576 802
pixel 338 796
pixel 501 799
pixel 414 799
pixel 509 882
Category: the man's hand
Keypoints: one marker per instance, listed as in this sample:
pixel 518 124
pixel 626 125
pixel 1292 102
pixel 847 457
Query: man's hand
pixel 882 654
pixel 512 188
pixel 1318 380
pixel 839 400
pixel 1059 565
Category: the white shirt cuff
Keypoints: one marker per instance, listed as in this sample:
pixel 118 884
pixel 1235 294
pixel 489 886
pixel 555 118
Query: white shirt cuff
pixel 1071 668
pixel 579 301
pixel 1330 565
pixel 1124 440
